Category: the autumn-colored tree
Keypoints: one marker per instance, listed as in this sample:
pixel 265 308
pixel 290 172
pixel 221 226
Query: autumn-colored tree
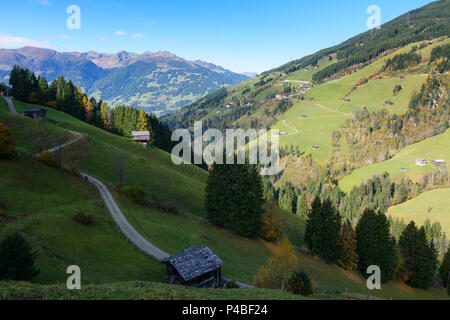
pixel 349 243
pixel 279 268
pixel 142 123
pixel 7 143
pixel 47 159
pixel 272 223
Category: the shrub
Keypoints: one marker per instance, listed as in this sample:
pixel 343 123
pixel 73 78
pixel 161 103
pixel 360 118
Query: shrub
pixel 84 219
pixel 17 261
pixel 231 285
pixel 136 194
pixel 7 143
pixel 397 89
pixel 47 159
pixel 300 283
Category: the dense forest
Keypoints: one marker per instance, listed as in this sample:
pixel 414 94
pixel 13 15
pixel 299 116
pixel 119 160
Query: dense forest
pixel 425 23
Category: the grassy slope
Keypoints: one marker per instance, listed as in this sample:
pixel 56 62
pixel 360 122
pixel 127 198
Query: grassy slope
pixel 151 169
pixel 417 209
pixel 41 202
pixel 327 111
pixel 242 257
pixel 135 291
pixel 437 147
pixel 154 171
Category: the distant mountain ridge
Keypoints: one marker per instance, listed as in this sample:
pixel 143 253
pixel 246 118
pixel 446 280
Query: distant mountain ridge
pixel 159 82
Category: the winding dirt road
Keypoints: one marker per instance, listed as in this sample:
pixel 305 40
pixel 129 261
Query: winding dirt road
pixel 119 218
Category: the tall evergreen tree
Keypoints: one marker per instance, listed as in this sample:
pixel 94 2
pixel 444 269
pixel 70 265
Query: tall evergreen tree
pixel 444 270
pixel 349 257
pixel 17 261
pixel 234 198
pixel 323 228
pixel 419 255
pixel 375 245
pixel 302 206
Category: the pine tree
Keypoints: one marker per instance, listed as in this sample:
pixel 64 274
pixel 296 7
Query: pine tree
pixel 349 258
pixel 323 228
pixel 234 198
pixel 375 245
pixel 444 270
pixel 17 261
pixel 419 257
pixel 302 206
pixel 286 199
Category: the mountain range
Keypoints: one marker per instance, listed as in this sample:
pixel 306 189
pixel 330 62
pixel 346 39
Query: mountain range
pixel 159 82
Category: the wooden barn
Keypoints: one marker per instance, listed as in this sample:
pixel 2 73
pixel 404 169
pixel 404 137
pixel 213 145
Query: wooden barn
pixel 141 137
pixel 195 267
pixel 36 113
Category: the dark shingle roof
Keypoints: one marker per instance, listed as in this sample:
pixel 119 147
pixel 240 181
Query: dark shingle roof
pixel 194 262
pixel 33 110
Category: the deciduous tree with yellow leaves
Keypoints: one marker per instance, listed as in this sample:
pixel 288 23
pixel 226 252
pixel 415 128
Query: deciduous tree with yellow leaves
pixel 276 273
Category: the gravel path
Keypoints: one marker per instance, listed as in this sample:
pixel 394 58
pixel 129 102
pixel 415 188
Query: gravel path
pixel 10 105
pixel 119 218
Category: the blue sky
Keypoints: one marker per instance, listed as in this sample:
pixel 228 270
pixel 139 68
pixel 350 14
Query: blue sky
pixel 241 35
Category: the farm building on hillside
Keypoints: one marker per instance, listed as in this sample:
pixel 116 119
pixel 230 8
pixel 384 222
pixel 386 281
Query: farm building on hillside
pixel 195 267
pixel 142 137
pixel 421 162
pixel 438 163
pixel 35 113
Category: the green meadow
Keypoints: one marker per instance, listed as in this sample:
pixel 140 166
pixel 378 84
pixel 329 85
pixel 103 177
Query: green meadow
pixel 418 209
pixel 437 147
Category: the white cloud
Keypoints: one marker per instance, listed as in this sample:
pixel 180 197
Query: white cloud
pixel 103 39
pixel 137 36
pixel 44 2
pixel 66 37
pixel 120 33
pixel 11 42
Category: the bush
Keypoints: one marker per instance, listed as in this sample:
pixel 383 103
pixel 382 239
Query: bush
pixel 301 283
pixel 84 219
pixel 7 143
pixel 136 194
pixel 47 159
pixel 16 259
pixel 231 285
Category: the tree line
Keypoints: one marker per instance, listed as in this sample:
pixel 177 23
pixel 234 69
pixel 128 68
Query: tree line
pixel 63 95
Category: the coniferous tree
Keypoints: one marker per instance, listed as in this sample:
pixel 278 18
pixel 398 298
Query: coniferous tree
pixel 323 228
pixel 444 270
pixel 142 123
pixel 349 257
pixel 302 206
pixel 375 245
pixel 419 255
pixel 286 199
pixel 234 198
pixel 17 261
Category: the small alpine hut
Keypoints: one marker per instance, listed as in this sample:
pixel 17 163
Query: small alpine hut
pixel 195 267
pixel 141 137
pixel 35 113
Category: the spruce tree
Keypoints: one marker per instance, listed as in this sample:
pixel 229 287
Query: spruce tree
pixel 444 270
pixel 17 261
pixel 419 256
pixel 349 258
pixel 323 228
pixel 375 245
pixel 302 206
pixel 234 198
